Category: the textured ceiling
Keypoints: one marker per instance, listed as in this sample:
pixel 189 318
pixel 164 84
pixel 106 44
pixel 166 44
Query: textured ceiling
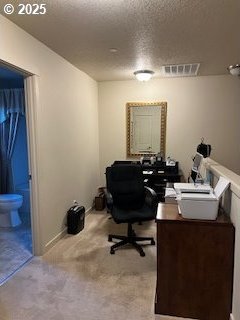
pixel 147 34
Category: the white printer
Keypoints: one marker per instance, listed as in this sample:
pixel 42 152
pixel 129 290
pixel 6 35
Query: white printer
pixel 200 201
pixel 192 188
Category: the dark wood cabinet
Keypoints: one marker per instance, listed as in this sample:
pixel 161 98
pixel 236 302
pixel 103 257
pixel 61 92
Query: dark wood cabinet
pixel 194 265
pixel 156 176
pixel 161 175
pixel 158 181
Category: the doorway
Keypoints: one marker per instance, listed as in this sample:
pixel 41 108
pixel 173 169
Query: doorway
pixel 15 225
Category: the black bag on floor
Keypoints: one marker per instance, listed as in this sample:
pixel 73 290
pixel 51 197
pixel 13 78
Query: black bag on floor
pixel 75 219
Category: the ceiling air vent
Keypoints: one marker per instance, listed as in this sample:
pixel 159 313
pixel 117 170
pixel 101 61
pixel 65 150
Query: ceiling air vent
pixel 180 70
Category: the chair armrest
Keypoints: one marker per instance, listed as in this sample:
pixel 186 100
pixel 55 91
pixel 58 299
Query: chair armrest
pixel 151 198
pixel 109 200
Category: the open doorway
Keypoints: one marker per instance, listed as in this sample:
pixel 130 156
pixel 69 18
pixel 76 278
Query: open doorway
pixel 15 209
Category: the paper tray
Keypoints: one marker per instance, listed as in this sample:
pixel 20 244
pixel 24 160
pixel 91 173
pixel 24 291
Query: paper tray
pixel 191 187
pixel 198 196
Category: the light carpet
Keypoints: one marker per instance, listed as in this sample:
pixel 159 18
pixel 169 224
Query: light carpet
pixel 79 279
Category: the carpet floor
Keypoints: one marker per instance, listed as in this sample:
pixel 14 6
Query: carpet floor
pixel 79 279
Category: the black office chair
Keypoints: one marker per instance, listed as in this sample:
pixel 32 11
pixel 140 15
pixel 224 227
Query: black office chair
pixel 129 201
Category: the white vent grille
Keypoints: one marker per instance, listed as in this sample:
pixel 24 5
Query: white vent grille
pixel 181 70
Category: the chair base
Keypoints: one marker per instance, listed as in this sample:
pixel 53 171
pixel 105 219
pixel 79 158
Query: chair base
pixel 131 238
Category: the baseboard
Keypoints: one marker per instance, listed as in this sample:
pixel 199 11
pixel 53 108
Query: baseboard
pixel 53 241
pixel 231 317
pixel 88 210
pixel 60 235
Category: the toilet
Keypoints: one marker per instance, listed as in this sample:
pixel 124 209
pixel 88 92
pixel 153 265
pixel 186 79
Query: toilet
pixel 9 205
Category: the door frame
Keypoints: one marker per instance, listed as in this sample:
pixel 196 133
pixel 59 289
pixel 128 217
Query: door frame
pixel 31 89
pixel 32 104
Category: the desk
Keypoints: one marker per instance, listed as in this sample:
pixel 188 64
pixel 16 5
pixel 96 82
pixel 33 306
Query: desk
pixel 156 176
pixel 194 265
pixel 158 180
pixel 161 175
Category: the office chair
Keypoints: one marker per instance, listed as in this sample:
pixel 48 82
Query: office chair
pixel 129 202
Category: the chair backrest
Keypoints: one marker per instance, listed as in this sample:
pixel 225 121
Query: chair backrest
pixel 126 184
pixel 117 162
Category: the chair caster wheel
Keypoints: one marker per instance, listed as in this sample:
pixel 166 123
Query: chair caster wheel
pixel 152 242
pixel 142 254
pixel 112 251
pixel 109 239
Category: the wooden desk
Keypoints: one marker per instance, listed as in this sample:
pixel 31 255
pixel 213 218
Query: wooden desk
pixel 194 266
pixel 160 177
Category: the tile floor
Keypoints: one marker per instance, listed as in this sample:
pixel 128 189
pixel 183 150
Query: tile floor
pixel 15 247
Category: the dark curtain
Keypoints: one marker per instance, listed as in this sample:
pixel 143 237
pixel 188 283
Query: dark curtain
pixel 11 106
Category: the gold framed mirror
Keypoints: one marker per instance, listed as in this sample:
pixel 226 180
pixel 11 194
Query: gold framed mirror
pixel 146 128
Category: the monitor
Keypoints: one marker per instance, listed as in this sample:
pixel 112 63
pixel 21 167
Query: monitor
pixel 197 161
pixel 196 166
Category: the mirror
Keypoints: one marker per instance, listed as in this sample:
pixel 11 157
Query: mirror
pixel 146 128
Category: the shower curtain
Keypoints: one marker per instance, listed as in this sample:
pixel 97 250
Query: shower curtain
pixel 12 105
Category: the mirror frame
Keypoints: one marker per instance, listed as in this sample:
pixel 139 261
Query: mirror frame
pixel 163 125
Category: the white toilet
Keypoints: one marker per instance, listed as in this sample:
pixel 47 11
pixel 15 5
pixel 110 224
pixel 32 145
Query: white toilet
pixel 9 205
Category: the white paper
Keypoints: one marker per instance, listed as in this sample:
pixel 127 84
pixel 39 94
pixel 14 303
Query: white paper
pixel 147 172
pixel 170 193
pixel 221 186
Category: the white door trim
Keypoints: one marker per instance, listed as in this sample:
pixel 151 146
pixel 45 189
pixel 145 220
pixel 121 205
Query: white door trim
pixel 32 107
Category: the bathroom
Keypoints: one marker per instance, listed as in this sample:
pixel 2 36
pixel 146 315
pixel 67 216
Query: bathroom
pixel 15 212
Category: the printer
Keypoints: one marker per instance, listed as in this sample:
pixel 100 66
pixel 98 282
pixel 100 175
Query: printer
pixel 200 201
pixel 192 188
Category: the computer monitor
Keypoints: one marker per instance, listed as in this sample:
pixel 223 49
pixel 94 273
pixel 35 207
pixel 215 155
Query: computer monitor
pixel 196 166
pixel 197 160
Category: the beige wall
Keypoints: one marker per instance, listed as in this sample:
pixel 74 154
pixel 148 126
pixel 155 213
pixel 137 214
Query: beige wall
pixel 66 127
pixel 197 107
pixel 231 203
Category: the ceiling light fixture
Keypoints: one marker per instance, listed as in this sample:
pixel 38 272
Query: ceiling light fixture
pixel 113 50
pixel 234 69
pixel 143 75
